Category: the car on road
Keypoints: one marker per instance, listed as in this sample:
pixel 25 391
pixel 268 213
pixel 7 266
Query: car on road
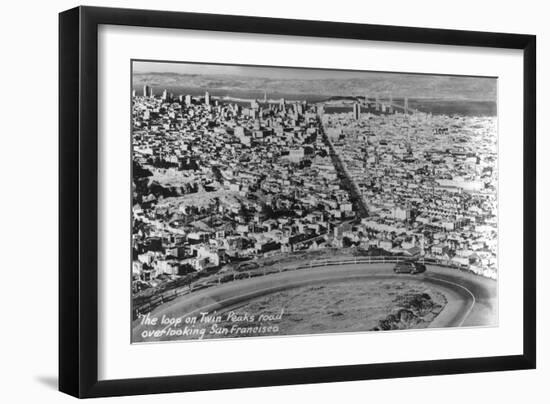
pixel 409 267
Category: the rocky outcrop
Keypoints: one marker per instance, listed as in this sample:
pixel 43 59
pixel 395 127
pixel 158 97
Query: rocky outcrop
pixel 414 310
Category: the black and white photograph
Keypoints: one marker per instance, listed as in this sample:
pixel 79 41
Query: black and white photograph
pixel 277 201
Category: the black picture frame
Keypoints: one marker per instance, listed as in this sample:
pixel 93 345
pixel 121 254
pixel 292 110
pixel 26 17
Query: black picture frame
pixel 78 200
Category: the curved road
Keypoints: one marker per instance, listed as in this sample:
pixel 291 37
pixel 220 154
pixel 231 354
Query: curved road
pixel 471 299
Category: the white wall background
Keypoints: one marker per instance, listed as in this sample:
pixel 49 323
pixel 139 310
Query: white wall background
pixel 28 202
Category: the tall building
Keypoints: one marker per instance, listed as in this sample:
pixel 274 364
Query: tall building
pixel 207 98
pixel 406 105
pixel 188 100
pixel 298 110
pixel 356 111
pixel 165 95
pixel 147 91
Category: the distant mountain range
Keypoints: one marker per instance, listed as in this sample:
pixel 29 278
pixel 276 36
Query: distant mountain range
pixel 382 84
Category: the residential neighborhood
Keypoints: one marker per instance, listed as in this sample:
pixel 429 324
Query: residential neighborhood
pixel 221 184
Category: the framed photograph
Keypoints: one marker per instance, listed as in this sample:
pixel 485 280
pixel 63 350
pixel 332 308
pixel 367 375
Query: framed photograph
pixel 251 201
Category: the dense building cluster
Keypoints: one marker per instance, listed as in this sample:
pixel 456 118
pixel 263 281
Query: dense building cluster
pixel 428 184
pixel 219 181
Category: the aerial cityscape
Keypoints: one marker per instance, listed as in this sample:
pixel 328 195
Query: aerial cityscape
pixel 261 197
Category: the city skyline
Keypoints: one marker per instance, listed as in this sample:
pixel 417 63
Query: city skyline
pixel 322 81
